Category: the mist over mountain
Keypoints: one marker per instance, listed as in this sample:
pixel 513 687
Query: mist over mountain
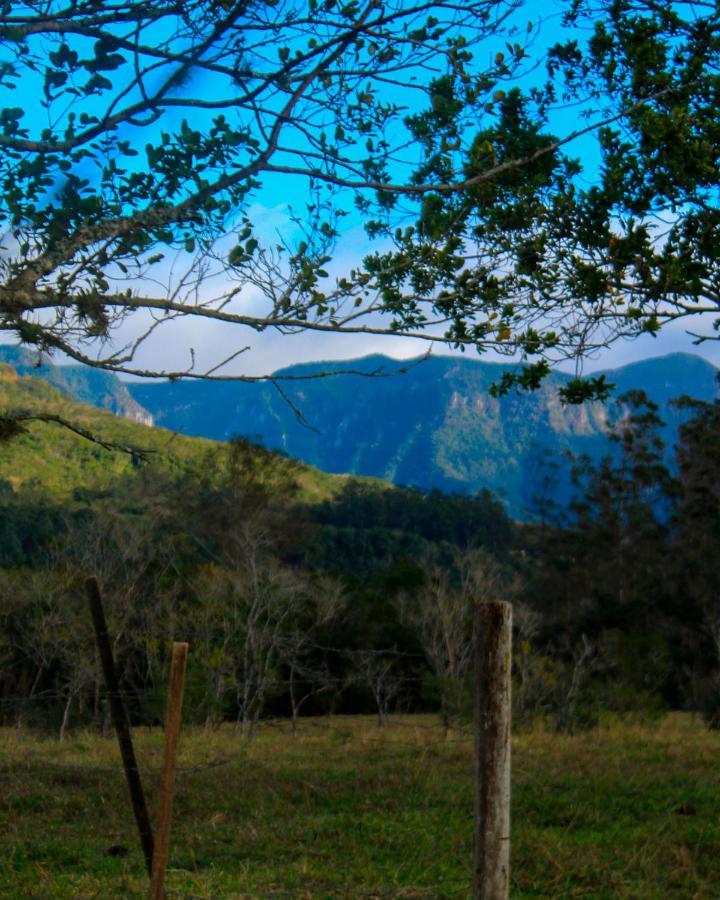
pixel 430 423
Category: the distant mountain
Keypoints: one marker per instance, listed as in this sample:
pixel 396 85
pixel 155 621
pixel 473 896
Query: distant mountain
pixel 664 378
pixel 435 426
pixel 431 424
pixel 82 383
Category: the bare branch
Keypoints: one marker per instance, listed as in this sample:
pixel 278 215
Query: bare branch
pixel 13 424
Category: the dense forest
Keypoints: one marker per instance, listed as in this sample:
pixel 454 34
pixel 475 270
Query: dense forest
pixel 362 600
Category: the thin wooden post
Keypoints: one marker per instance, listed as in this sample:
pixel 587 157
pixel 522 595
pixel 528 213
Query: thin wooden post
pixel 493 633
pixel 120 721
pixel 167 782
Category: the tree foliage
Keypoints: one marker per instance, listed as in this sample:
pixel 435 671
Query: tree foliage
pixel 131 189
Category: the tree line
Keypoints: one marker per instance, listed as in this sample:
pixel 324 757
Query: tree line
pixel 624 581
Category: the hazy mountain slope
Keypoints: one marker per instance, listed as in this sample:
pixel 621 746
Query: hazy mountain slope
pixel 435 426
pixel 666 377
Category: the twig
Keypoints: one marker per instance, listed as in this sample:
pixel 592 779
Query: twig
pixel 12 424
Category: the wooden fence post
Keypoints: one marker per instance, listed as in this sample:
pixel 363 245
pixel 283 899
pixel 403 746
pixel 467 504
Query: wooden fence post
pixel 167 781
pixel 493 643
pixel 120 721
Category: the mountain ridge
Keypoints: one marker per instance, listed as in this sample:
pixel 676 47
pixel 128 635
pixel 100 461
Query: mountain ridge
pixel 428 422
pixel 435 426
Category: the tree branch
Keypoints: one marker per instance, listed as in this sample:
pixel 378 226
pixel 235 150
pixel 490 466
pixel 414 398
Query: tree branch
pixel 13 424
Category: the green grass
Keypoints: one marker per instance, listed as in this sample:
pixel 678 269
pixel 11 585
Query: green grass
pixel 348 810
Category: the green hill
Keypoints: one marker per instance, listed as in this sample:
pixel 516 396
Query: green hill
pixel 93 386
pixel 60 462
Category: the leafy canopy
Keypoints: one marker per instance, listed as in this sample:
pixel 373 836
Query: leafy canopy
pixel 140 140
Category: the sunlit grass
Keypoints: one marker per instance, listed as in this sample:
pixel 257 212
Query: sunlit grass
pixel 350 810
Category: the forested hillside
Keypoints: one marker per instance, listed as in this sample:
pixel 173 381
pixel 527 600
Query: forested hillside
pixel 303 592
pixel 275 572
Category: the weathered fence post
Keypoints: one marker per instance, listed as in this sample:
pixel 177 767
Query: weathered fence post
pixel 120 721
pixel 167 781
pixel 493 644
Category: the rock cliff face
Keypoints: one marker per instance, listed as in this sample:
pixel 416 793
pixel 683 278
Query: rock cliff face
pixel 101 389
pixel 435 426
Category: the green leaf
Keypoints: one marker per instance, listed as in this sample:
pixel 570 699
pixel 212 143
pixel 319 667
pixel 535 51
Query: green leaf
pixel 581 390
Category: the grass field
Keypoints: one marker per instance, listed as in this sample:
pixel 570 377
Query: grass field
pixel 348 810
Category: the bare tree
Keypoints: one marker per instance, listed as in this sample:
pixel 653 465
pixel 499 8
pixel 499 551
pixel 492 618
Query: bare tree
pixel 309 673
pixel 574 708
pixel 270 594
pixel 532 680
pixel 442 615
pixel 216 636
pixel 378 671
pixel 55 636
